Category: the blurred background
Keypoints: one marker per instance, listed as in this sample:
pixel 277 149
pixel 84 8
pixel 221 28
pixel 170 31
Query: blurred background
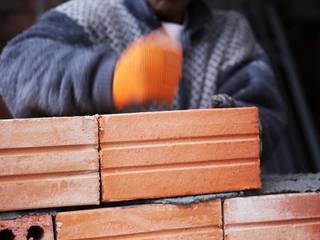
pixel 289 31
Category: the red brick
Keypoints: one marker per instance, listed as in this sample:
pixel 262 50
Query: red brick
pixel 153 155
pixel 273 217
pixel 145 222
pixel 48 163
pixel 27 227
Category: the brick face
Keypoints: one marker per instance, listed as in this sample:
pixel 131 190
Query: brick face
pixel 27 227
pixel 48 163
pixel 153 155
pixel 197 221
pixel 285 217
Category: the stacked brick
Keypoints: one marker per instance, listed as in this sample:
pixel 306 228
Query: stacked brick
pixel 73 165
pixel 197 221
pixel 31 227
pixel 154 155
pixel 286 217
pixel 48 163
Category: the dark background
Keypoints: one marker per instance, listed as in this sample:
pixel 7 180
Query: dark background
pixel 289 30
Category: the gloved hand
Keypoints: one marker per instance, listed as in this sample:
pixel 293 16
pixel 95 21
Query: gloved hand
pixel 222 101
pixel 148 71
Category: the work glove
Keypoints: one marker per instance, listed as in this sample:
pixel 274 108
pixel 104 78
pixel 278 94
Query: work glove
pixel 148 72
pixel 222 101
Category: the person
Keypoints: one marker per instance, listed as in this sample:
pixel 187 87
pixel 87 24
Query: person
pixel 109 56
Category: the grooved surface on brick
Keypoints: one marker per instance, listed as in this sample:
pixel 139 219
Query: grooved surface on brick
pixel 153 155
pixel 197 221
pixel 273 217
pixel 27 227
pixel 48 163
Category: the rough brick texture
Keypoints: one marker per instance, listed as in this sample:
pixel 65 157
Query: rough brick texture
pixel 27 227
pixel 48 163
pixel 274 217
pixel 153 155
pixel 198 221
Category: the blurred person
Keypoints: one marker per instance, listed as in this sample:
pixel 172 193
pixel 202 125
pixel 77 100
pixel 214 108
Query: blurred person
pixel 108 56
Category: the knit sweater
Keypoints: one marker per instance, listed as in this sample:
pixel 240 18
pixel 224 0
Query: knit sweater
pixel 64 64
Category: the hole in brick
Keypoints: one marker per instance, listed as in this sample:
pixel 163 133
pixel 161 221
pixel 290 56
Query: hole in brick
pixel 6 234
pixel 35 233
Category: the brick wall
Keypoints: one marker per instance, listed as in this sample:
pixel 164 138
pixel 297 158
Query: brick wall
pixel 285 216
pixel 55 163
pixel 142 156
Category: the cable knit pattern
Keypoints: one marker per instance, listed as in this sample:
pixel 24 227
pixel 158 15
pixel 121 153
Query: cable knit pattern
pixel 105 21
pixel 217 50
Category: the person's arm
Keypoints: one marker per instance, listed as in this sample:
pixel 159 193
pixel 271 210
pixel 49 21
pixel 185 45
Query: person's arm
pixel 53 69
pixel 248 80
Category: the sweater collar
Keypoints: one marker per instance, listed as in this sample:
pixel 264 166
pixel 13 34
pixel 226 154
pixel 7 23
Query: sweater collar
pixel 197 14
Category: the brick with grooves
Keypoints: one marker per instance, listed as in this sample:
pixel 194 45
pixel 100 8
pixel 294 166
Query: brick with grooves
pixel 163 154
pixel 48 163
pixel 273 217
pixel 200 221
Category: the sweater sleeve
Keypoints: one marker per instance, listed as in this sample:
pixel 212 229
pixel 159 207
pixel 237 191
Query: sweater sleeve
pixel 53 69
pixel 249 79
